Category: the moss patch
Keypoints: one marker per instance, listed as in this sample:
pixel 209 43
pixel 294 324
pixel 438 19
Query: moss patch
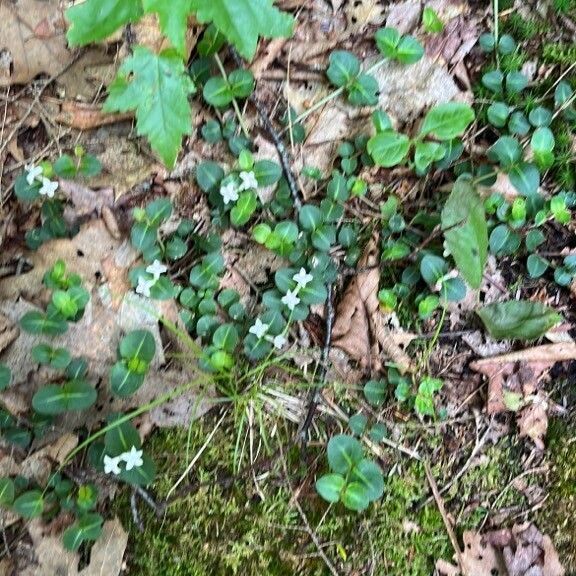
pixel 556 518
pixel 224 527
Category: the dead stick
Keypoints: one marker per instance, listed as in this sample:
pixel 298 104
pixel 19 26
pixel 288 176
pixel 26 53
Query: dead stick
pixel 272 132
pixel 446 520
pixel 314 394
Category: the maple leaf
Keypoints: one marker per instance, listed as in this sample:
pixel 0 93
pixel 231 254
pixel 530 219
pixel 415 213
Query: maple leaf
pixel 243 21
pixel 95 20
pixel 173 17
pixel 156 86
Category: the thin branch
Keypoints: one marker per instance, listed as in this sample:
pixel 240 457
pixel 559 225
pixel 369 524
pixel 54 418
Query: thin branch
pixel 446 520
pixel 314 395
pixel 276 139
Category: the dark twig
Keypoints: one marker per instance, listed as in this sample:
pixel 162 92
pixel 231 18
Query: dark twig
pixel 149 499
pixel 314 394
pixel 273 133
pixel 135 515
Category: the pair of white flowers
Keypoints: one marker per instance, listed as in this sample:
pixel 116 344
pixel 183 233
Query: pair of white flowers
pixel 144 284
pixel 260 330
pixel 302 279
pixel 131 459
pixel 34 174
pixel 290 299
pixel 230 192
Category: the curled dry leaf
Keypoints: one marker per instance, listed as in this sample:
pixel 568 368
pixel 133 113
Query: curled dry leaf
pixel 361 329
pixel 520 551
pixel 520 371
pixel 514 380
pixel 33 40
pixel 533 420
pixel 50 556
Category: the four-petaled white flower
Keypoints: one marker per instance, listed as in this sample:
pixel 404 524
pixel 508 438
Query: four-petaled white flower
pixel 302 278
pixel 32 173
pixel 144 286
pixel 279 341
pixel 156 269
pixel 48 188
pixel 229 192
pixel 291 299
pixel 133 458
pixel 111 464
pixel 249 181
pixel 259 329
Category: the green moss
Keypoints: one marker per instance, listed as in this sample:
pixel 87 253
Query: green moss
pixel 523 28
pixel 224 527
pixel 564 54
pixel 555 517
pixel 567 7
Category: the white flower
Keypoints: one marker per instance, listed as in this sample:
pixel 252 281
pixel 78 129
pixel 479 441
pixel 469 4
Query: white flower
pixel 48 188
pixel 156 269
pixel 111 464
pixel 133 458
pixel 302 278
pixel 144 286
pixel 249 181
pixel 32 173
pixel 229 192
pixel 279 341
pixel 259 329
pixel 291 299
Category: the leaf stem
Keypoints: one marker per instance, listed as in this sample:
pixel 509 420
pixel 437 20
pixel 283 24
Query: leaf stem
pixel 234 101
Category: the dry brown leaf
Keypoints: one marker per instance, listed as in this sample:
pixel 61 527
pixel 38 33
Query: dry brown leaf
pixel 124 165
pixel 32 40
pixel 8 332
pixel 51 558
pixel 85 200
pixel 360 328
pixel 362 13
pixel 533 420
pixel 404 16
pixel 479 558
pixel 521 551
pixel 88 116
pixel 519 372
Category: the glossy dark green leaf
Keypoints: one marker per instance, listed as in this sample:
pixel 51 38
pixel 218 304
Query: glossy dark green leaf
pixel 74 395
pixel 209 175
pixel 40 323
pixel 123 381
pixel 388 148
pixel 375 392
pixel 6 491
pixel 518 319
pixel 138 344
pixel 343 453
pixel 87 528
pixel 217 92
pixel 355 497
pixel 447 121
pixel 369 474
pixel 29 505
pixel 343 68
pixel 330 486
pixel 525 177
pixel 5 376
pixel 466 231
